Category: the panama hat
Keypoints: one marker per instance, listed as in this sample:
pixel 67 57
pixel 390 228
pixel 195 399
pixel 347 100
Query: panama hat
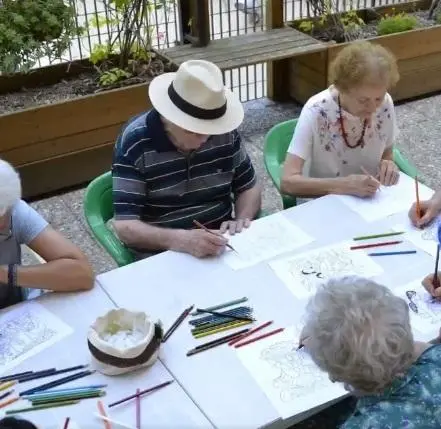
pixel 195 99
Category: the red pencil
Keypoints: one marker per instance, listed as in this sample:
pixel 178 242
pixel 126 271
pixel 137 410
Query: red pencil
pixel 247 334
pixel 260 337
pixel 138 409
pixel 367 246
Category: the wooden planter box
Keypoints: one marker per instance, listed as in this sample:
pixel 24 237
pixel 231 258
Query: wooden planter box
pixel 418 53
pixel 68 143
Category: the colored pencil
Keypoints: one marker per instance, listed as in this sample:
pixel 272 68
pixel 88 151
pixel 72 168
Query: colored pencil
pixel 77 388
pixel 225 304
pixel 211 326
pixel 223 329
pixel 252 331
pixel 41 407
pixel 66 423
pixel 436 283
pixel 115 422
pixel 214 233
pixel 260 337
pixel 7 385
pixel 58 382
pixel 367 246
pixel 59 398
pixel 9 402
pixel 48 394
pixel 143 392
pixel 50 372
pixel 206 320
pixel 5 395
pixel 215 343
pixel 14 376
pixel 138 409
pixel 177 322
pixel 386 234
pixel 401 252
pixel 102 412
pixel 418 206
pixel 219 314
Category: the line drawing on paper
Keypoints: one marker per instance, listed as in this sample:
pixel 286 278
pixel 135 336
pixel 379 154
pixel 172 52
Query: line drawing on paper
pixel 424 306
pixel 431 232
pixel 298 373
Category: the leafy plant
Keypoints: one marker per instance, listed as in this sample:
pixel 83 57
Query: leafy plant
pixel 127 55
pixel 34 29
pixel 438 18
pixel 396 23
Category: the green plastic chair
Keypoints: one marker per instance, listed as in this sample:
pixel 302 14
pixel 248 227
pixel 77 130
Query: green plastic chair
pixel 98 210
pixel 276 145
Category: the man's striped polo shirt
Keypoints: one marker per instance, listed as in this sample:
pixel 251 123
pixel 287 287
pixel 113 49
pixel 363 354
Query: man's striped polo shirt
pixel 156 183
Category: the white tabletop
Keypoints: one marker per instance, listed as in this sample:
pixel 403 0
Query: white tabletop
pixel 166 284
pixel 169 407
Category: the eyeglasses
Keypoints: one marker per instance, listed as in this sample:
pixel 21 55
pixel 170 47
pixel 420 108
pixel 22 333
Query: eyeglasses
pixel 411 294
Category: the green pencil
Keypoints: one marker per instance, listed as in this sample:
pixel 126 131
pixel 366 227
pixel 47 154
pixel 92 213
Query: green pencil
pixel 41 407
pixel 40 401
pixel 219 306
pixel 386 234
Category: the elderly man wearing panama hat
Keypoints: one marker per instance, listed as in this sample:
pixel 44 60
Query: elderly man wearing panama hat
pixel 183 161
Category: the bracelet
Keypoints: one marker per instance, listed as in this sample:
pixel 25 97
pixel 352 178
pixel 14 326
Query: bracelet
pixel 12 275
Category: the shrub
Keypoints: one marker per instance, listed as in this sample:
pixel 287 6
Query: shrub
pixel 396 24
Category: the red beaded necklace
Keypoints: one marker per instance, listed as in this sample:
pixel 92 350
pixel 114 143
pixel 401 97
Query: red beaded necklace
pixel 360 141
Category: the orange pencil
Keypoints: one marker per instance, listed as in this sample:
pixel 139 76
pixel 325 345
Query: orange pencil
pixel 9 402
pixel 418 208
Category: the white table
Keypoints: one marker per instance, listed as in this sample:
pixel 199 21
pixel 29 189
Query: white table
pixel 170 407
pixel 216 380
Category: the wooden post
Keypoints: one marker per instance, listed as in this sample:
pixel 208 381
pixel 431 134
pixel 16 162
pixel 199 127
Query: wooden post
pixel 277 71
pixel 195 22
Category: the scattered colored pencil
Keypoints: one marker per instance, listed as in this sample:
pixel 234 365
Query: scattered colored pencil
pixel 418 206
pixel 66 423
pixel 103 414
pixel 58 382
pixel 14 376
pixel 245 312
pixel 219 314
pixel 138 409
pixel 49 373
pixel 260 337
pixel 214 233
pixel 7 385
pixel 215 343
pixel 5 395
pixel 436 283
pixel 76 388
pixel 66 397
pixel 386 234
pixel 41 407
pixel 177 322
pixel 47 394
pixel 402 252
pixel 252 331
pixel 115 422
pixel 367 246
pixel 9 402
pixel 220 306
pixel 237 324
pixel 143 392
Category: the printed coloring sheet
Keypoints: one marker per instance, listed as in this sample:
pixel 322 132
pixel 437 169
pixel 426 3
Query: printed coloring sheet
pixel 304 272
pixel 425 311
pixel 264 239
pixel 388 200
pixel 26 330
pixel 289 378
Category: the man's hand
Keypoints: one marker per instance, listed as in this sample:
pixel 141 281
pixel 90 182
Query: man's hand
pixel 201 243
pixel 233 226
pixel 428 283
pixel 388 173
pixel 429 210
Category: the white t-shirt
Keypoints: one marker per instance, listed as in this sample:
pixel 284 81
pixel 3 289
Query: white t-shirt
pixel 318 139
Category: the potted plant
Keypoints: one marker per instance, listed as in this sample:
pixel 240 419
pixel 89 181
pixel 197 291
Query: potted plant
pixel 59 123
pixel 408 30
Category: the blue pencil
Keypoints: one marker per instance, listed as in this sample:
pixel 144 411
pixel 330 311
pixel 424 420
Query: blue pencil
pixel 402 252
pixel 69 389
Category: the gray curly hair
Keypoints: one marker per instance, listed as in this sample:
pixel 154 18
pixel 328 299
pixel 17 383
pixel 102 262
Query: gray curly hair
pixel 359 333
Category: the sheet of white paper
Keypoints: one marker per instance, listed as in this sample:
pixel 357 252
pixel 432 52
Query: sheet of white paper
pixel 264 239
pixel 425 312
pixel 25 331
pixel 388 200
pixel 304 272
pixel 426 239
pixel 289 378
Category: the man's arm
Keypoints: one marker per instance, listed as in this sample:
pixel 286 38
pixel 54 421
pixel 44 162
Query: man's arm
pixel 66 268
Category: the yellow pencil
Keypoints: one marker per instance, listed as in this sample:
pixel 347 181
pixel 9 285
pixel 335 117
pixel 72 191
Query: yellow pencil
pixel 225 328
pixel 7 385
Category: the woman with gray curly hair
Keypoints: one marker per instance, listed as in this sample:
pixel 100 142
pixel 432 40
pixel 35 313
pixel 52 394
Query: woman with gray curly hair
pixel 359 333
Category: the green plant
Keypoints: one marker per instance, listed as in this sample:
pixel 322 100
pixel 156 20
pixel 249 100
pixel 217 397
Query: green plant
pixel 438 18
pixel 398 23
pixel 128 52
pixel 34 29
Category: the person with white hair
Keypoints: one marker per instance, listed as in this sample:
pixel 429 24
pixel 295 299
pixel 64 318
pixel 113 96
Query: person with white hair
pixel 183 163
pixel 66 268
pixel 359 332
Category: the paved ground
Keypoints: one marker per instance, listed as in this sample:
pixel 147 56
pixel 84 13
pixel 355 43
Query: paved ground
pixel 419 140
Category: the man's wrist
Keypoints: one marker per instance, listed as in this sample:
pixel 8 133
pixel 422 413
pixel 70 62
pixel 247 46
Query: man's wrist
pixel 4 274
pixel 177 240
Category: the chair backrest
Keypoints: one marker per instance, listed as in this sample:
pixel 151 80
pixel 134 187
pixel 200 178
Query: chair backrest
pixel 98 201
